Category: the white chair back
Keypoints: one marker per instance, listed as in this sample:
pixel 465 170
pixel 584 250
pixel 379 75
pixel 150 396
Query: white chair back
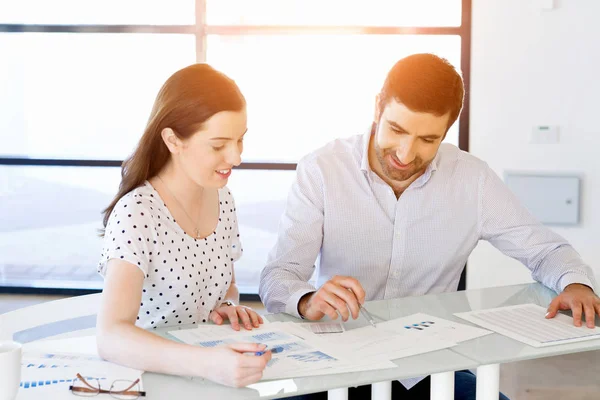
pixel 47 313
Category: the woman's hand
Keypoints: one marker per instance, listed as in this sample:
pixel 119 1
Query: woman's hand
pixel 231 367
pixel 234 314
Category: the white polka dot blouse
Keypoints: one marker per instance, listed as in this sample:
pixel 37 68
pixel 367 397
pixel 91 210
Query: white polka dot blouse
pixel 185 278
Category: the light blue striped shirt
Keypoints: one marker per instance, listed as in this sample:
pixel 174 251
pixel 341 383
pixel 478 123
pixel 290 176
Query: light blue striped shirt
pixel 340 210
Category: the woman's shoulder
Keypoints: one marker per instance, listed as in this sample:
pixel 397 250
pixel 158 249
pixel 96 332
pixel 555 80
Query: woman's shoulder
pixel 225 191
pixel 140 204
pixel 143 196
pixel 226 198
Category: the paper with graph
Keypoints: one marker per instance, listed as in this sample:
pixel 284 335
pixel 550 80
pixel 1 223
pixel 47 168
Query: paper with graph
pixel 392 340
pixel 49 374
pixel 294 355
pixel 308 351
pixel 424 325
pixel 527 324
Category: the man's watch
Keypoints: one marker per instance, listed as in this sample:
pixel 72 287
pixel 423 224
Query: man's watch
pixel 228 303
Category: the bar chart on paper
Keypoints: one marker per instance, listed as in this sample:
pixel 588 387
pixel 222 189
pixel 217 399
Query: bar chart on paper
pixel 35 365
pixel 29 384
pixel 48 375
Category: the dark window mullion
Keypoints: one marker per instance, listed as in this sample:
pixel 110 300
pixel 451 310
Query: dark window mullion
pixel 200 15
pixel 201 29
pixel 117 163
pixel 329 29
pixel 465 64
pixel 26 28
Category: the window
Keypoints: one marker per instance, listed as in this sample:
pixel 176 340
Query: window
pixel 335 13
pixel 107 12
pixel 50 220
pixel 290 115
pixel 81 95
pixel 78 80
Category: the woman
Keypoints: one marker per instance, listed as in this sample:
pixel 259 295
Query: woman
pixel 171 235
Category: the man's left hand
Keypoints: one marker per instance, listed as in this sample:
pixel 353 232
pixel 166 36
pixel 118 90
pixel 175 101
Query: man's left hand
pixel 579 299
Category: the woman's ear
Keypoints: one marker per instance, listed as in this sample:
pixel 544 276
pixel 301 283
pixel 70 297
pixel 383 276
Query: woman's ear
pixel 171 140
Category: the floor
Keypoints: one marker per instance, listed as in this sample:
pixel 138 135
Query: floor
pixel 569 377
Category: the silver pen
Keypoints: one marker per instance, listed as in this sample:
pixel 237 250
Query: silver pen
pixel 367 315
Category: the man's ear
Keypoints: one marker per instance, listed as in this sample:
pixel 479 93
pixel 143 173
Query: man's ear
pixel 171 140
pixel 377 110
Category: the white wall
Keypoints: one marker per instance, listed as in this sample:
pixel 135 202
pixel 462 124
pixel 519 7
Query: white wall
pixel 537 67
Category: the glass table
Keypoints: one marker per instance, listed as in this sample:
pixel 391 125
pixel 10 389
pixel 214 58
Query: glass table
pixel 485 353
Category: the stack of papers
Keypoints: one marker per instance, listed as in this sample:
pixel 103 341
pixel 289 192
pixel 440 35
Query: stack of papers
pixel 527 323
pixel 308 350
pixel 397 338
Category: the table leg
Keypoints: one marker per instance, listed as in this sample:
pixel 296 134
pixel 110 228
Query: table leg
pixel 442 386
pixel 337 394
pixel 488 382
pixel 381 391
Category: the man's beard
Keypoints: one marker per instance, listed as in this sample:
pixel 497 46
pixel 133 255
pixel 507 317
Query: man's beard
pixel 416 166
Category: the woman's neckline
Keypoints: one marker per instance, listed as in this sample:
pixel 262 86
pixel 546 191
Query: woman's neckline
pixel 172 219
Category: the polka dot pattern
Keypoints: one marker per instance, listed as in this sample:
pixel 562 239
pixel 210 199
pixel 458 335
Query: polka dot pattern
pixel 185 278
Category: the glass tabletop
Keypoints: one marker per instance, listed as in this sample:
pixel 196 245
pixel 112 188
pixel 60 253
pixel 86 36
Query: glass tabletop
pixel 423 364
pixel 407 367
pixel 490 349
pixel 493 348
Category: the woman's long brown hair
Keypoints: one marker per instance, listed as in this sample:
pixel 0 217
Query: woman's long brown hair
pixel 186 100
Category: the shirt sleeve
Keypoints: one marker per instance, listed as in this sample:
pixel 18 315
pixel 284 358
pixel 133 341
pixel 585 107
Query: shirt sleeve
pixel 128 235
pixel 290 263
pixel 508 226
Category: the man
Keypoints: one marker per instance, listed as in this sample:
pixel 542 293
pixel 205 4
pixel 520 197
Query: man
pixel 396 213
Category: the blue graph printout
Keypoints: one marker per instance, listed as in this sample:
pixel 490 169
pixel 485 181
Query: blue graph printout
pixel 311 357
pixel 266 337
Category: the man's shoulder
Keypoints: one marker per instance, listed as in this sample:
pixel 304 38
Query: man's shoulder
pixel 451 157
pixel 339 152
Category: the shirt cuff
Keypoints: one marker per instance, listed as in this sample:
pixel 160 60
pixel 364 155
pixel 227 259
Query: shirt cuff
pixel 291 306
pixel 571 278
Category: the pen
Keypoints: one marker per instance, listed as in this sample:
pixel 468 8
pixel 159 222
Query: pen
pixel 274 350
pixel 367 315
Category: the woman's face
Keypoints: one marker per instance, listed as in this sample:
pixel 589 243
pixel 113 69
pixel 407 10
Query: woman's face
pixel 208 156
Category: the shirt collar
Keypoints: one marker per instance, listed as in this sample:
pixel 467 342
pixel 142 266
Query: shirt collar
pixel 365 167
pixel 364 161
pixel 423 179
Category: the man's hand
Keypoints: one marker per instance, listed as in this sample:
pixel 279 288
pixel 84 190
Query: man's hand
pixel 341 294
pixel 579 299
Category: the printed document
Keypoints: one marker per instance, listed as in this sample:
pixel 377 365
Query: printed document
pixel 527 323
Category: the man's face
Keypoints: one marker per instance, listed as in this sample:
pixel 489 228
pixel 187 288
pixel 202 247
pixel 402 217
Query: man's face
pixel 405 141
